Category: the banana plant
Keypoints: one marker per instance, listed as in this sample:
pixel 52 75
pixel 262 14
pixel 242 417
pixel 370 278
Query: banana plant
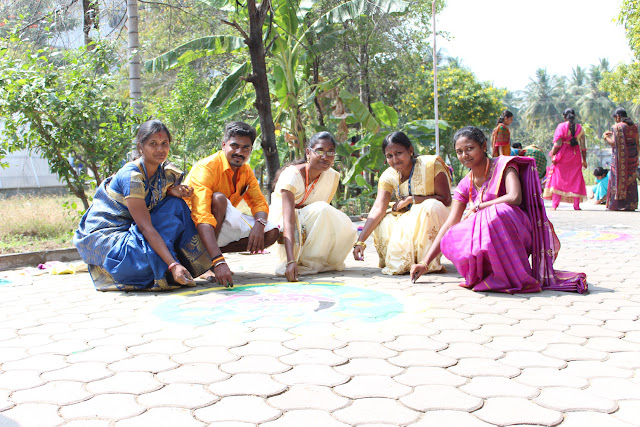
pixel 294 37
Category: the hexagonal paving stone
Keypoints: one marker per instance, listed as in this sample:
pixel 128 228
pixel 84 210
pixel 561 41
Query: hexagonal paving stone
pixel 125 382
pixel 20 380
pixel 249 409
pixel 312 374
pixel 530 359
pixel 570 352
pixel 463 350
pixel 472 367
pixel 628 411
pixel 247 385
pixel 368 367
pixel 261 348
pixel 549 377
pixel 157 417
pixel 55 392
pixel 421 358
pixel 205 354
pixel 188 396
pixel 593 419
pixel 429 375
pixel 255 364
pixel 415 342
pixel 376 410
pixel 306 418
pixel 308 396
pixel 365 349
pixel 195 373
pixel 513 410
pixel 316 356
pixel 372 386
pixel 485 387
pixel 449 418
pixel 567 399
pixel 440 397
pixel 594 369
pixel 104 406
pixel 144 363
pixel 81 371
pixel 615 388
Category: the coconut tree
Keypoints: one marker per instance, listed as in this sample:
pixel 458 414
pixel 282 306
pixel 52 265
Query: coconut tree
pixel 542 99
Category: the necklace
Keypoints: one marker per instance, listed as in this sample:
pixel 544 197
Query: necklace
pixel 307 189
pixel 473 182
pixel 400 178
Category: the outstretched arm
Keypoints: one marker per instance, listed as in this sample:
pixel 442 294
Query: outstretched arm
pixel 457 209
pixel 376 214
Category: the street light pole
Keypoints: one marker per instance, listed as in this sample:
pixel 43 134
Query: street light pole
pixel 435 78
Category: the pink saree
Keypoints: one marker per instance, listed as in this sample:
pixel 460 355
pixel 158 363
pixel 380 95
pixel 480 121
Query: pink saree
pixel 565 180
pixel 491 248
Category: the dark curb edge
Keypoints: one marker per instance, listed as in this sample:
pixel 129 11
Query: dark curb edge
pixel 32 259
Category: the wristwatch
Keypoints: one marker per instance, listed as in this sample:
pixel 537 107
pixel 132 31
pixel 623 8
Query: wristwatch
pixel 262 221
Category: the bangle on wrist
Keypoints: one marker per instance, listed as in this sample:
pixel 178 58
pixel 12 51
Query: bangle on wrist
pixel 293 261
pixel 476 208
pixel 360 243
pixel 262 221
pixel 173 264
pixel 219 263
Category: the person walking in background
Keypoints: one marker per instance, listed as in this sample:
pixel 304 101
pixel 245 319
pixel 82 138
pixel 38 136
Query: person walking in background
pixel 506 225
pixel 568 158
pixel 316 236
pixel 138 233
pixel 599 191
pixel 403 231
pixel 622 193
pixel 538 155
pixel 501 137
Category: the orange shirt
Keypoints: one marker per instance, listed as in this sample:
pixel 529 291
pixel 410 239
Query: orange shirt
pixel 213 174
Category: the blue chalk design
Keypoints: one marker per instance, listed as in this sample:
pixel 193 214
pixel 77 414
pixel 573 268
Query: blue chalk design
pixel 290 303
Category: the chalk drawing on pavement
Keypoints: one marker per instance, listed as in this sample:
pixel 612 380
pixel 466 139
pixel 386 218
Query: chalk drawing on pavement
pixel 291 303
pixel 592 236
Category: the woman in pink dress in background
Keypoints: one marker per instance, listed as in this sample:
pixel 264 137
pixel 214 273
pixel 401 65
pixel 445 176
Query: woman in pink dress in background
pixel 565 182
pixel 490 245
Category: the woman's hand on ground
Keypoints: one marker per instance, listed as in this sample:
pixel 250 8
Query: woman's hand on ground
pixel 181 191
pixel 358 253
pixel 291 273
pixel 181 275
pixel 417 270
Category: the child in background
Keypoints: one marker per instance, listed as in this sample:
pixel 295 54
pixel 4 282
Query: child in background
pixel 599 191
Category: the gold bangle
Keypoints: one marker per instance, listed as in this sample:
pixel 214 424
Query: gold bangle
pixel 291 262
pixel 425 265
pixel 360 243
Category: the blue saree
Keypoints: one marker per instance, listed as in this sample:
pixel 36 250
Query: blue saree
pixel 109 241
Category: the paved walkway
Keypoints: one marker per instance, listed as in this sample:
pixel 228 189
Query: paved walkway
pixel 347 349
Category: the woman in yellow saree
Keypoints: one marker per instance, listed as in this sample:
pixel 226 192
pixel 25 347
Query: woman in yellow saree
pixel 316 236
pixel 404 230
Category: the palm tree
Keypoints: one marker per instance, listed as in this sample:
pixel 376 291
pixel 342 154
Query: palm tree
pixel 594 105
pixel 542 100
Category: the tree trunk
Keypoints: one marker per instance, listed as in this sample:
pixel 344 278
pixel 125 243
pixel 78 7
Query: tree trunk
pixel 260 83
pixel 365 93
pixel 316 80
pixel 91 20
pixel 135 85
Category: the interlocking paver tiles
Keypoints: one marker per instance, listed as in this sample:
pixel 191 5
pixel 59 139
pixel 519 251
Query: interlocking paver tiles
pixel 436 355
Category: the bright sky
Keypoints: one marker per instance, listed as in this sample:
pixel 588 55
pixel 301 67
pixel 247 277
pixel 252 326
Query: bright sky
pixel 506 41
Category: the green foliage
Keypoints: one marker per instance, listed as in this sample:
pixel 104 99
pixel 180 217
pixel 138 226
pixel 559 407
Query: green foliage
pixel 59 104
pixel 194 128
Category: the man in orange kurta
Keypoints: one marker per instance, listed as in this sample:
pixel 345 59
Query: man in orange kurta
pixel 219 183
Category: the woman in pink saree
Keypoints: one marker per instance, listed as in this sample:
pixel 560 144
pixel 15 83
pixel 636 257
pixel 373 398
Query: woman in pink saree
pixel 565 182
pixel 490 245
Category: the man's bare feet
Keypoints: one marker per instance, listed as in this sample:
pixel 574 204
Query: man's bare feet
pixel 208 276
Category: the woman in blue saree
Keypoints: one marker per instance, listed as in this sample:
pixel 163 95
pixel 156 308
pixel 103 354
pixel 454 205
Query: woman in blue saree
pixel 138 233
